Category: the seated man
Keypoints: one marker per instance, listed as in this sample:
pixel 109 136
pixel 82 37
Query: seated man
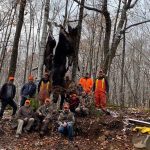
pixel 66 120
pixel 82 108
pixel 25 116
pixel 44 116
pixel 74 102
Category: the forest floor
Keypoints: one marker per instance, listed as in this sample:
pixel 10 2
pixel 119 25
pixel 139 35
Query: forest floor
pixel 95 132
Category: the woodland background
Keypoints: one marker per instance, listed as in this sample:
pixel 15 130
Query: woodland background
pixel 113 34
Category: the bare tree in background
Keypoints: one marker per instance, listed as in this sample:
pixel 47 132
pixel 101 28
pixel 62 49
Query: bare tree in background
pixel 109 47
pixel 13 61
pixel 75 61
pixel 7 35
pixel 43 39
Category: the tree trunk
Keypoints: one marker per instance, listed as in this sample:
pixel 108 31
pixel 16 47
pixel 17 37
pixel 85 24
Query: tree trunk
pixel 122 71
pixel 107 34
pixel 13 61
pixel 33 50
pixel 6 38
pixel 75 62
pixel 43 40
pixel 66 14
pixel 28 42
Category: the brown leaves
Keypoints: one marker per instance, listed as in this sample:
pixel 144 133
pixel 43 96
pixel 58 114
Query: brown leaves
pixel 98 133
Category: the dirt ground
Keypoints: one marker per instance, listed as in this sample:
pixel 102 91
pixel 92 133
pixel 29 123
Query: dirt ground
pixel 95 132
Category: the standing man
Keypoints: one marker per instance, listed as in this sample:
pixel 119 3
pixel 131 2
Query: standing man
pixel 44 88
pixel 28 90
pixel 101 89
pixel 7 95
pixel 86 83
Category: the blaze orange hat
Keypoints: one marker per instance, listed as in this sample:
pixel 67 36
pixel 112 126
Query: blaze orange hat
pixel 11 78
pixel 31 78
pixel 27 101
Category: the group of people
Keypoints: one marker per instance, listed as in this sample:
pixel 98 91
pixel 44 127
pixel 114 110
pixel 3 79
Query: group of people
pixel 39 111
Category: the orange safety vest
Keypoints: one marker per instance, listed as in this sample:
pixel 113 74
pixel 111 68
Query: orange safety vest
pixel 86 84
pixel 44 91
pixel 100 85
pixel 45 86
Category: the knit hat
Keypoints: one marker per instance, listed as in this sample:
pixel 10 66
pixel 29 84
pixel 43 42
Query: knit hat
pixel 11 78
pixel 27 101
pixel 31 78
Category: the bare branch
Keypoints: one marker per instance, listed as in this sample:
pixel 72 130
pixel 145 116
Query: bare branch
pixel 133 4
pixel 76 19
pixel 136 24
pixel 89 8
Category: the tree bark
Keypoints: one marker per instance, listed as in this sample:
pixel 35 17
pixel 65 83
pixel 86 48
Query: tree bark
pixel 43 40
pixel 6 38
pixel 107 34
pixel 66 14
pixel 122 71
pixel 13 61
pixel 75 62
pixel 28 42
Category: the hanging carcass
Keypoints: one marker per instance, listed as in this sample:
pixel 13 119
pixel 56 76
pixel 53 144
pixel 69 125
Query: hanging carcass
pixel 48 54
pixel 65 49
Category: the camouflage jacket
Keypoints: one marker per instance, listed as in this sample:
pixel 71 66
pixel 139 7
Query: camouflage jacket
pixel 66 117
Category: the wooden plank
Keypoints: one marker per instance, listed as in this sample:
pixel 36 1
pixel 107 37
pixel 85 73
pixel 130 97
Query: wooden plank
pixel 139 122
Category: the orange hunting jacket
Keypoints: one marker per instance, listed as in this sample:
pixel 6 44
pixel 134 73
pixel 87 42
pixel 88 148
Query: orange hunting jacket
pixel 86 83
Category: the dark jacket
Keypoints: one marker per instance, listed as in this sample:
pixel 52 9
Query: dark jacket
pixel 29 89
pixel 25 112
pixel 4 91
pixel 74 103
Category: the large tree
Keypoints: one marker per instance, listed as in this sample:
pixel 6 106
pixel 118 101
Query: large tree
pixel 13 61
pixel 110 45
pixel 43 39
pixel 75 61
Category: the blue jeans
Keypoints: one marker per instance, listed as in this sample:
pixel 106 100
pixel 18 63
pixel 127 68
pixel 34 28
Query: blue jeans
pixel 68 130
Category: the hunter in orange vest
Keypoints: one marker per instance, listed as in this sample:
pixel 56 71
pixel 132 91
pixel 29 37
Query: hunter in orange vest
pixel 44 88
pixel 101 87
pixel 86 83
